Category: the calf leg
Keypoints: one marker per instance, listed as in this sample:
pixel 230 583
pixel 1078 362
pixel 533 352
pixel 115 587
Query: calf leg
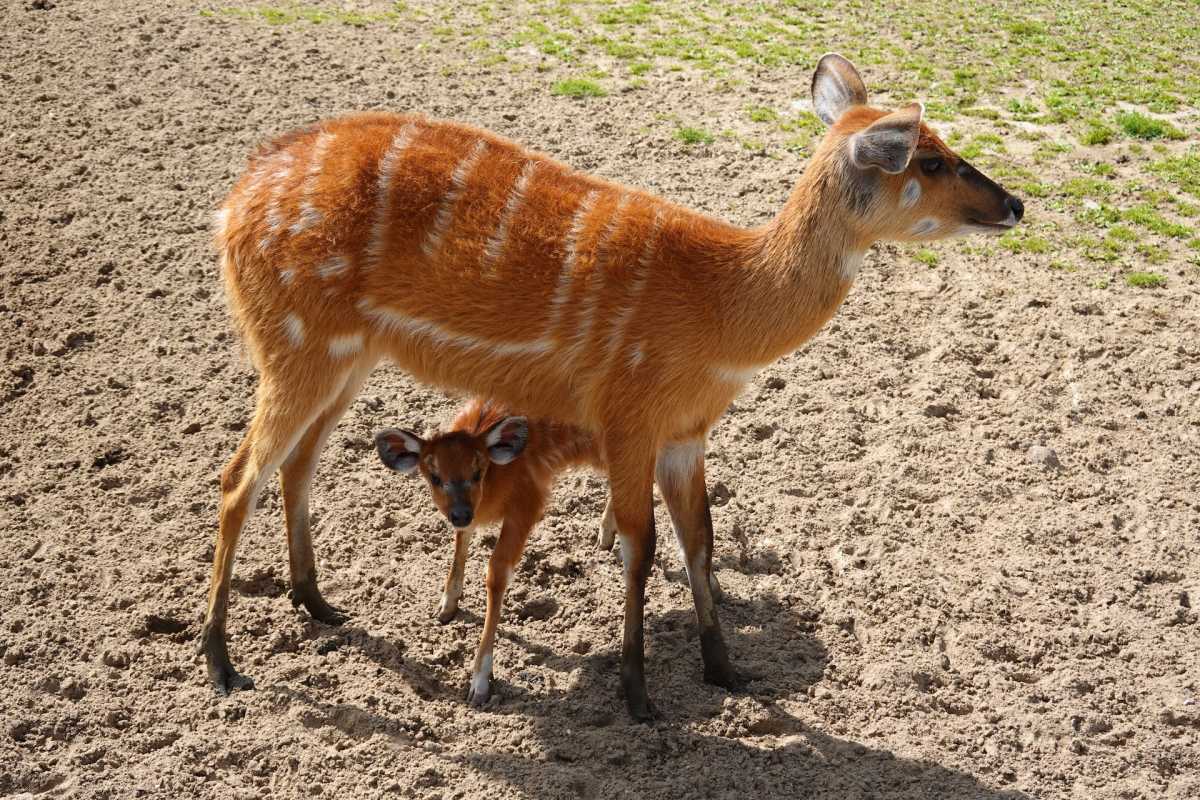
pixel 514 533
pixel 452 591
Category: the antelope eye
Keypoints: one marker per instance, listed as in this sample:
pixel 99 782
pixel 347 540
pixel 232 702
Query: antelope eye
pixel 475 478
pixel 931 166
pixel 435 480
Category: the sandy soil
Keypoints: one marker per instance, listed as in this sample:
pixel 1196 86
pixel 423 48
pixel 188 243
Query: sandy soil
pixel 933 613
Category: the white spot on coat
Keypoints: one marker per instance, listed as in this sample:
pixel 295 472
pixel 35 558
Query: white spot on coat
pixel 678 462
pixel 309 214
pixel 333 267
pixel 294 328
pixel 734 375
pixel 342 346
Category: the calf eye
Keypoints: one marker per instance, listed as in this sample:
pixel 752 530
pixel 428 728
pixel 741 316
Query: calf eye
pixel 435 480
pixel 932 165
pixel 475 478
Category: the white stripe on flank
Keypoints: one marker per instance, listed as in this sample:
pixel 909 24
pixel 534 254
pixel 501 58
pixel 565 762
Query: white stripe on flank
pixel 567 274
pixel 294 329
pixel 495 245
pixel 445 214
pixel 391 321
pixel 616 338
pixel 383 194
pixel 587 315
pixel 309 214
pixel 333 267
pixel 341 346
pixel 738 375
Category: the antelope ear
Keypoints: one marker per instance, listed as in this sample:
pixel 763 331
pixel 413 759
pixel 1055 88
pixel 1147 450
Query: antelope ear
pixel 836 86
pixel 506 439
pixel 398 450
pixel 890 142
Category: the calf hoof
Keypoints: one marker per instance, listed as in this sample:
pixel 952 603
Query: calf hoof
pixel 479 691
pixel 446 612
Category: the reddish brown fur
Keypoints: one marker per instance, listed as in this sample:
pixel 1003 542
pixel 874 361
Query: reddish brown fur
pixel 513 494
pixel 638 321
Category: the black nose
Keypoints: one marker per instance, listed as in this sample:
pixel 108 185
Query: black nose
pixel 1016 206
pixel 460 517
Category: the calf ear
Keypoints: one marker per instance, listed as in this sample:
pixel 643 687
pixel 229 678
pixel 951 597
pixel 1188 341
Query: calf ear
pixel 398 450
pixel 506 439
pixel 836 86
pixel 890 141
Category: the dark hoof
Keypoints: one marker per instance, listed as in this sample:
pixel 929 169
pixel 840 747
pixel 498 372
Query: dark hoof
pixel 318 609
pixel 446 616
pixel 221 674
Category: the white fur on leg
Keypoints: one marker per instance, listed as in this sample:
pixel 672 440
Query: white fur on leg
pixel 481 683
pixel 608 528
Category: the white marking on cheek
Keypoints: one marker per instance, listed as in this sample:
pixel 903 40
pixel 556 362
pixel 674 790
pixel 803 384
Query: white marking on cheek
pixel 911 193
pixel 342 346
pixel 925 227
pixel 287 276
pixel 333 267
pixel 294 329
pixel 851 263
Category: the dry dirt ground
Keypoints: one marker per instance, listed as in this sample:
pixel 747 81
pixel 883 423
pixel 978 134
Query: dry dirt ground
pixel 931 611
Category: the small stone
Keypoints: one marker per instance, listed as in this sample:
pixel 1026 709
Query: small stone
pixel 117 659
pixel 940 410
pixel 1040 454
pixel 73 689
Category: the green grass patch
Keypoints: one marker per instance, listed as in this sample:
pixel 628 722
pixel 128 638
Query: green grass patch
pixel 1145 280
pixel 1140 126
pixel 1147 217
pixel 762 114
pixel 689 135
pixel 1183 171
pixel 1024 243
pixel 1097 133
pixel 578 87
pixel 926 257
